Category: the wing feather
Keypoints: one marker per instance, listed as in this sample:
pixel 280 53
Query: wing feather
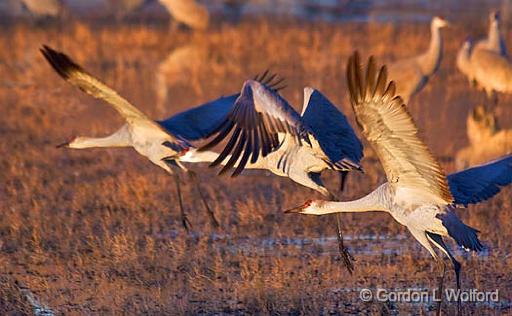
pixel 259 114
pixel 476 184
pixel 75 75
pixel 339 146
pixel 389 128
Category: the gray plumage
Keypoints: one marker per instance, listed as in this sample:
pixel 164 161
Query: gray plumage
pixel 265 125
pixel 412 74
pixel 267 133
pixel 188 12
pixel 147 137
pixel 417 194
pixel 486 62
pixel 494 41
pixel 44 7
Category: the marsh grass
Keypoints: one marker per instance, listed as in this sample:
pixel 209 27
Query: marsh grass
pixel 98 231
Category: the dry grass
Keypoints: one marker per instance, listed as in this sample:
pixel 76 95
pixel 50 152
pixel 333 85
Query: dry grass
pixel 98 231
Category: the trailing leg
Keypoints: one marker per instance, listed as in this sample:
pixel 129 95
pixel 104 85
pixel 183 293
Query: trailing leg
pixel 211 214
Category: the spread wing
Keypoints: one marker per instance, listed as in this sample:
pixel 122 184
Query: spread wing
pixel 336 138
pixel 75 75
pixel 389 128
pixel 482 182
pixel 258 116
pixel 199 122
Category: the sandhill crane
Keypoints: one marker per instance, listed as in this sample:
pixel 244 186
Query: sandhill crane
pixel 486 62
pixel 44 7
pixel 146 136
pixel 165 143
pixel 463 60
pixel 417 194
pixel 412 74
pixel 188 12
pixel 494 41
pixel 149 138
pixel 486 140
pixel 270 134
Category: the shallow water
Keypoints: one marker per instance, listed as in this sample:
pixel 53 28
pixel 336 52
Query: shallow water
pixel 364 245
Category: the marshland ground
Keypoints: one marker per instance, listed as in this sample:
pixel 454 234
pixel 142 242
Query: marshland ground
pixel 98 231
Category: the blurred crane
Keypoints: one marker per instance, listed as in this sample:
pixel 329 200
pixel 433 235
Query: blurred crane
pixel 188 12
pixel 270 134
pixel 486 139
pixel 44 8
pixel 154 140
pixel 494 41
pixel 417 195
pixel 486 63
pixel 463 60
pixel 412 74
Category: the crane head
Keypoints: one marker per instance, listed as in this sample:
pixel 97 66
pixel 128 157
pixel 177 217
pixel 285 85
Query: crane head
pixel 440 22
pixel 309 207
pixel 494 16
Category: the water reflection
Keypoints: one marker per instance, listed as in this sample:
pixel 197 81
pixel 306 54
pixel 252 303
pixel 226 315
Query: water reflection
pixel 179 67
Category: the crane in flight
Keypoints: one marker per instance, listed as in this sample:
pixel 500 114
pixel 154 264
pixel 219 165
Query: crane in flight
pixel 417 194
pixel 267 133
pixel 165 143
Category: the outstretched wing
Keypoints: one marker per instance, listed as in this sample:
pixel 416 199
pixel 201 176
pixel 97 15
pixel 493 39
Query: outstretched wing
pixel 389 128
pixel 75 75
pixel 482 182
pixel 200 121
pixel 335 136
pixel 258 116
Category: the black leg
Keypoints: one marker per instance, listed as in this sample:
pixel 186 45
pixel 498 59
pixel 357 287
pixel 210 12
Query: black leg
pixel 344 253
pixel 438 241
pixel 456 267
pixel 346 256
pixel 184 218
pixel 440 285
pixel 211 214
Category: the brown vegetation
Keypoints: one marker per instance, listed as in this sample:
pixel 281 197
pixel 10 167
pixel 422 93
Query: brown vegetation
pixel 98 231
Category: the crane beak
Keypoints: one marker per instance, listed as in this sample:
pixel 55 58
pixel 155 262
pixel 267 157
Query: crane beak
pixel 297 209
pixel 65 144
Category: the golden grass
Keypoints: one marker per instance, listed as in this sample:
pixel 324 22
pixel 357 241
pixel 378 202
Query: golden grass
pixel 98 231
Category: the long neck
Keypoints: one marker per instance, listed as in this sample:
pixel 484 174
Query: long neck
pixel 430 61
pixel 209 156
pixel 375 201
pixel 121 138
pixel 494 39
pixel 118 139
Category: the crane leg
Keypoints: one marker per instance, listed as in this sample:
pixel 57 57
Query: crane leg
pixel 211 214
pixel 440 284
pixel 346 256
pixel 438 241
pixel 184 218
